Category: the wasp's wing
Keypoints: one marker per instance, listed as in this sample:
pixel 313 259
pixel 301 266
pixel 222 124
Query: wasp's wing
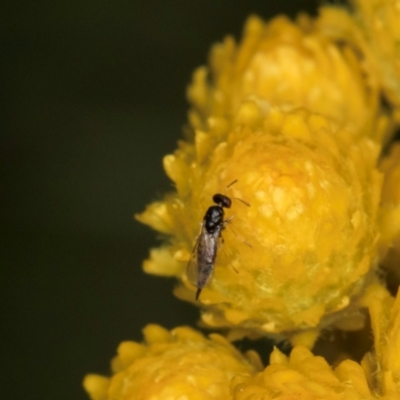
pixel 200 269
pixel 192 270
pixel 197 276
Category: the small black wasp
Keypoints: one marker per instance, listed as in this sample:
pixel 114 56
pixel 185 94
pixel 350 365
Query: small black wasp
pixel 201 265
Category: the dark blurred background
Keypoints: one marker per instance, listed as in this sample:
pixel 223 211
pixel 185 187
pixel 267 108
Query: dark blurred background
pixel 92 97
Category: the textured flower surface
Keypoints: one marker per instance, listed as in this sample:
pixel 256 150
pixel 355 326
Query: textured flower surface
pixel 303 376
pixel 181 364
pixel 312 224
pixel 289 65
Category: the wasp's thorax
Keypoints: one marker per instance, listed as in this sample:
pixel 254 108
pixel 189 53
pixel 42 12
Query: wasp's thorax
pixel 214 218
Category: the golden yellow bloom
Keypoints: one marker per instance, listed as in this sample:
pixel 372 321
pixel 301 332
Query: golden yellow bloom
pixel 303 376
pixel 308 377
pixel 312 225
pixel 288 65
pixel 379 23
pixel 181 364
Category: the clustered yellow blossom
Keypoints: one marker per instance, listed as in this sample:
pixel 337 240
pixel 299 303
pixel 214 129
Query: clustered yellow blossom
pixel 288 123
pixel 286 65
pixel 181 364
pixel 303 376
pixel 292 117
pixel 307 377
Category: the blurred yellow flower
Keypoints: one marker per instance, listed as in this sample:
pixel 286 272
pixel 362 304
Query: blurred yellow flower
pixel 307 377
pixel 312 226
pixel 180 364
pixel 379 23
pixel 288 65
pixel 303 376
pixel 183 364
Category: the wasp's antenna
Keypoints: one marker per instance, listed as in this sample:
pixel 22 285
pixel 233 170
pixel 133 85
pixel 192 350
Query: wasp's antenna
pixel 237 198
pixel 232 183
pixel 244 202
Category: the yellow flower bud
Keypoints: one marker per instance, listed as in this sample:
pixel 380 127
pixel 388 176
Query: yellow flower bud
pixel 307 245
pixel 180 364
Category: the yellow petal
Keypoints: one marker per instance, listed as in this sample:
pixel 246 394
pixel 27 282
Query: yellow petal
pixel 96 386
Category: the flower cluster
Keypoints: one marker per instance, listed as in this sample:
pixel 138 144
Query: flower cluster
pixel 183 364
pixel 288 124
pixel 274 113
pixel 172 365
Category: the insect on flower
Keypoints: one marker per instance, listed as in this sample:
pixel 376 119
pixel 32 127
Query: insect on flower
pixel 201 265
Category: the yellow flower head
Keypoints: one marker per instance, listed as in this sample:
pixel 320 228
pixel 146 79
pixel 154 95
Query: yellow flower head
pixel 304 249
pixel 287 65
pixel 306 377
pixel 181 364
